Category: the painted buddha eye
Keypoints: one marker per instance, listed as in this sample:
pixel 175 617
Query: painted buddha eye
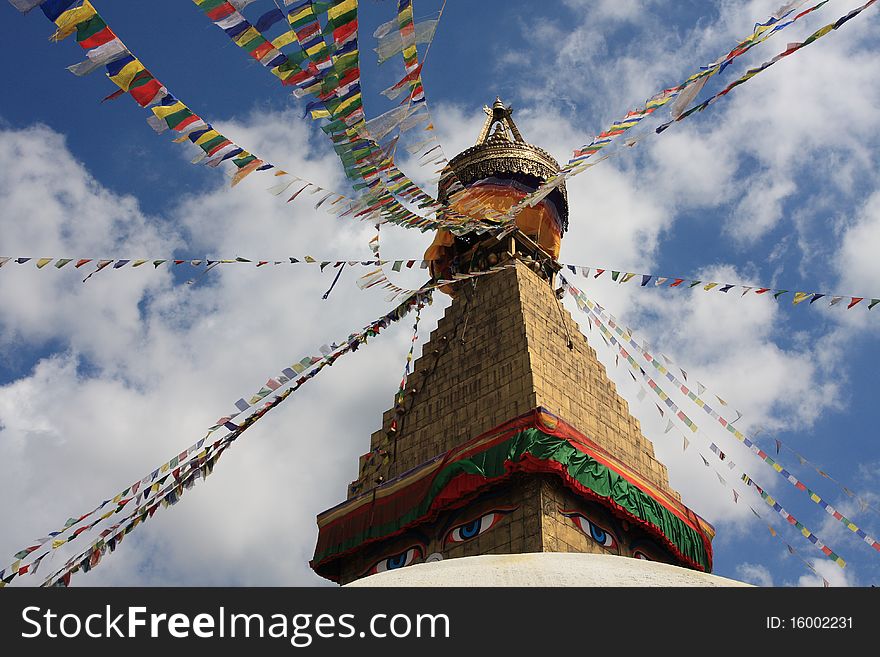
pixel 601 536
pixel 641 555
pixel 475 527
pixel 400 560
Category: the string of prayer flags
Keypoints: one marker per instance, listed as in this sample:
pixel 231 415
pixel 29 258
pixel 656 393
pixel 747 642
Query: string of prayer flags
pixel 723 482
pixel 329 72
pixel 864 505
pixel 773 504
pixel 167 491
pixel 588 306
pixel 164 485
pixel 394 43
pixel 685 92
pixel 762 32
pixel 622 277
pixel 791 550
pixel 379 277
pixel 73 527
pixel 169 113
pixel 306 367
pixel 776 466
pixel 410 35
pixel 207 263
pixel 399 397
pixel 790 49
pixel 104 48
pixel 599 314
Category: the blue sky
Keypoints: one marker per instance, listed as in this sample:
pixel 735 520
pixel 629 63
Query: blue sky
pixel 774 185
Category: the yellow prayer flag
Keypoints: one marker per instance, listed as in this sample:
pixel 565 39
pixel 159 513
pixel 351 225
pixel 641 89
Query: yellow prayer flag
pixel 302 13
pixel 801 296
pixel 823 31
pixel 208 136
pixel 341 8
pixel 312 89
pixel 42 262
pixel 284 40
pixel 709 286
pixel 248 35
pixel 317 48
pixel 124 77
pixel 57 544
pixel 68 21
pixel 164 110
pixel 282 75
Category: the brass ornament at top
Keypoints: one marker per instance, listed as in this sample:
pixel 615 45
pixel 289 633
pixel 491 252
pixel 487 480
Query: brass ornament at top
pixel 501 149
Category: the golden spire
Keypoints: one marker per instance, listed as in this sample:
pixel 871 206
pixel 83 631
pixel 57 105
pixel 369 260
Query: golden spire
pixel 499 121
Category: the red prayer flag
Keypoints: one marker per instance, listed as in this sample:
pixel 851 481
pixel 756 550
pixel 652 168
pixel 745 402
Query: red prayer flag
pixel 99 38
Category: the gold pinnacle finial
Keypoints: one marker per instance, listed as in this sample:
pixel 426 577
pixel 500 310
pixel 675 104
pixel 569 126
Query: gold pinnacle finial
pixel 499 120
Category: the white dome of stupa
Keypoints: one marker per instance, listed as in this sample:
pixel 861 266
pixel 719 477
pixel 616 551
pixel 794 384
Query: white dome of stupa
pixel 544 569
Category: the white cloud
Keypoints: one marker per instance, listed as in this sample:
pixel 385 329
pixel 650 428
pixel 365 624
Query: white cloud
pixel 755 574
pixel 827 571
pixel 857 261
pixel 760 208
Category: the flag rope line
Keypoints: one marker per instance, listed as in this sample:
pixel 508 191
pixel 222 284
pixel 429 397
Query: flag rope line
pixel 591 308
pixel 151 480
pixel 679 415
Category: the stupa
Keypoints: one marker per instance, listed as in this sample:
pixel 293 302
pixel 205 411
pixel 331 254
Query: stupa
pixel 510 438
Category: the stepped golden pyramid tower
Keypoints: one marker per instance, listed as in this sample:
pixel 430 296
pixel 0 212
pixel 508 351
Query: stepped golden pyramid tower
pixel 510 438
